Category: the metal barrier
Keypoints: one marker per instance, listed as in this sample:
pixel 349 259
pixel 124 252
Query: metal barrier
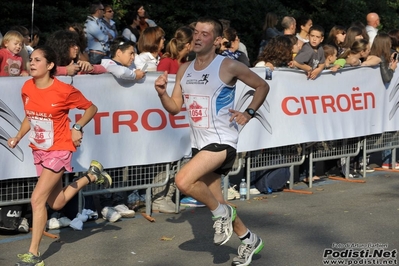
pixel 285 156
pixel 131 178
pixel 380 142
pixel 336 149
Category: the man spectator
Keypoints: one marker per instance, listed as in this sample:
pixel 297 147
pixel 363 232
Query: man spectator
pixel 373 21
pixel 97 35
pixel 289 25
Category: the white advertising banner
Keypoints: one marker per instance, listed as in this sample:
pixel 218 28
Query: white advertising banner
pixel 132 128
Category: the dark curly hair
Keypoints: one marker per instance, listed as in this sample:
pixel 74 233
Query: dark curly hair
pixel 50 56
pixel 61 41
pixel 278 51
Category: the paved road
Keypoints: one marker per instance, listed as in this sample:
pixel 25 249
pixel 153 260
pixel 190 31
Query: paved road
pixel 296 229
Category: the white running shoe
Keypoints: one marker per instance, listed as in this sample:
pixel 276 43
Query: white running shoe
pixel 124 211
pixel 110 214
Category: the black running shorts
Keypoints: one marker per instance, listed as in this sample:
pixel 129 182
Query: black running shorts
pixel 226 166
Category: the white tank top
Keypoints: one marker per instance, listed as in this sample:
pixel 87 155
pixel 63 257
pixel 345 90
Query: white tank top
pixel 208 100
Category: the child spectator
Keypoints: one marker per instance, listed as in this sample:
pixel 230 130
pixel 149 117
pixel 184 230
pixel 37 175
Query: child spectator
pixel 176 50
pixel 311 56
pixel 11 63
pixel 122 56
pixel 352 56
pixel 330 53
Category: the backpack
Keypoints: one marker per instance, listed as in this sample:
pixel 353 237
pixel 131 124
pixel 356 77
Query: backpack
pixel 271 180
pixel 10 218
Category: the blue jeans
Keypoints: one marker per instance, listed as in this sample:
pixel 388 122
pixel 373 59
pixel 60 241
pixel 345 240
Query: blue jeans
pixel 95 58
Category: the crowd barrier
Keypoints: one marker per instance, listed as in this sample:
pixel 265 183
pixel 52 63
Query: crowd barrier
pixel 316 119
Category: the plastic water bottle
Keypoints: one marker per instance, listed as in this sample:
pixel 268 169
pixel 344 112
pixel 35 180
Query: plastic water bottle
pixel 243 190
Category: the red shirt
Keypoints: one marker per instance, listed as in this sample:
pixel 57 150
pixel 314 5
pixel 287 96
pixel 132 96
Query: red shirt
pixel 10 64
pixel 168 64
pixel 47 110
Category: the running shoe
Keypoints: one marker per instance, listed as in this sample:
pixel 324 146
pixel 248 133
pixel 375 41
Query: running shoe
pixel 28 259
pixel 232 193
pixel 246 251
pixel 224 226
pixel 191 202
pixel 110 214
pixel 102 177
pixel 124 211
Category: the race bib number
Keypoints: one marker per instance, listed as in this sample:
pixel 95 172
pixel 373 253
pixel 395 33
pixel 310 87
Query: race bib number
pixel 41 134
pixel 198 109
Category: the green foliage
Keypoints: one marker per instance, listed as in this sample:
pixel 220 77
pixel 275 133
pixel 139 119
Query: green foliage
pixel 246 16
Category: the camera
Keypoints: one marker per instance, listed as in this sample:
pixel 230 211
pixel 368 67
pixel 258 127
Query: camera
pixel 395 56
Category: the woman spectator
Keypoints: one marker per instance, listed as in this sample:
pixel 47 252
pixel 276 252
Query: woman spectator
pixel 229 47
pixel 78 28
pixel 352 34
pixel 394 35
pixel 277 53
pixel 303 25
pixel 336 38
pixel 269 30
pixel 150 45
pixel 66 45
pixel 380 54
pixel 176 50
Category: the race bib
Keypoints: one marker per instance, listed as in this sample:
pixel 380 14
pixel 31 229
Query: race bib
pixel 41 134
pixel 198 109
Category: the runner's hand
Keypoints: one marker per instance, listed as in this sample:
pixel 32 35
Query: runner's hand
pixel 240 118
pixel 161 83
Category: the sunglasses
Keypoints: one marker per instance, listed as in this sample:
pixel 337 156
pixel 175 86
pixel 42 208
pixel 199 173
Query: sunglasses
pixel 109 11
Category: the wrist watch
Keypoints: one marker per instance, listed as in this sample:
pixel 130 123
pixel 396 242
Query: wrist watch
pixel 77 127
pixel 251 112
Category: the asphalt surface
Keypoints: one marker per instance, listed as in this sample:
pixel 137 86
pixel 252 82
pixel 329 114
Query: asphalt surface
pixel 297 230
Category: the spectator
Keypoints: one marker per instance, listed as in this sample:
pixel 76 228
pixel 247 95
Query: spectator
pixel 352 56
pixel 303 24
pixel 229 47
pixel 352 34
pixel 11 63
pixel 289 25
pixel 24 51
pixel 176 50
pixel 97 34
pixel 380 54
pixel 394 35
pixel 122 56
pixel 277 53
pixel 311 57
pixel 330 53
pixel 336 38
pixel 131 31
pixel 373 21
pixel 241 46
pixel 361 26
pixel 108 22
pixel 34 39
pixel 83 51
pixel 144 22
pixel 150 45
pixel 269 30
pixel 65 45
